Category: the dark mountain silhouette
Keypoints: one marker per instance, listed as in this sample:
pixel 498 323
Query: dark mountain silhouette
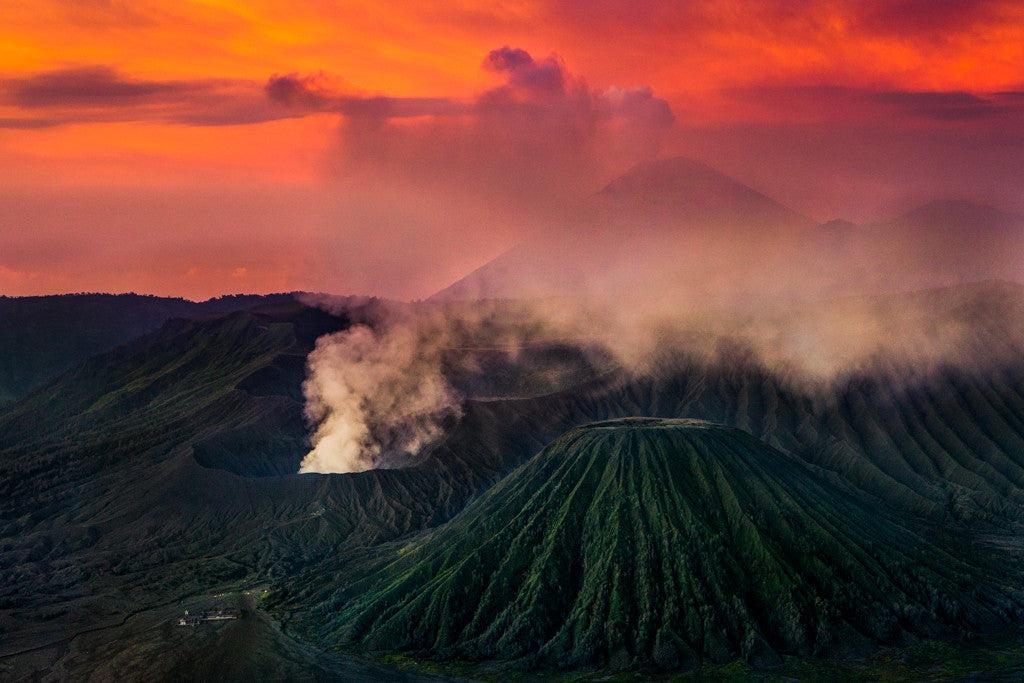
pixel 959 241
pixel 957 215
pixel 159 475
pixel 679 226
pixel 836 234
pixel 688 192
pixel 940 243
pixel 43 336
pixel 105 538
pixel 660 215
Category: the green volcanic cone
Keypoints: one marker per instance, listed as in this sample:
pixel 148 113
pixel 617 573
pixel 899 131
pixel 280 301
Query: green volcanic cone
pixel 655 543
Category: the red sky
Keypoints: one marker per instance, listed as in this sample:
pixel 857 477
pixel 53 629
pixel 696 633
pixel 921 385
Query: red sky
pixel 200 148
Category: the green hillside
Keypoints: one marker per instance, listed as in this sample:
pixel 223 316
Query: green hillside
pixel 118 508
pixel 651 543
pixel 43 336
pixel 163 470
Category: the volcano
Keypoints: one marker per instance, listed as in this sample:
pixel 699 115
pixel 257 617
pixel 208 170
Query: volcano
pixel 672 215
pixel 688 192
pixel 647 543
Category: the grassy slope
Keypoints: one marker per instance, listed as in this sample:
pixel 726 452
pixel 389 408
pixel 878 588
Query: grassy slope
pixel 645 543
pixel 121 480
pixel 108 514
pixel 44 336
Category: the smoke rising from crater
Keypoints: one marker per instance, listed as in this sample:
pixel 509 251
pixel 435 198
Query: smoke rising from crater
pixel 380 392
pixel 673 257
pixel 376 395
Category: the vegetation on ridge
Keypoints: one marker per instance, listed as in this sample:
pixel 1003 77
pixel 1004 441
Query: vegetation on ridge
pixel 655 543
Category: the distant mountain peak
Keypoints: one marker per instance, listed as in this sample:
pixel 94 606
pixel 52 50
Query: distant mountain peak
pixel 955 212
pixel 622 234
pixel 666 175
pixel 692 190
pixel 838 224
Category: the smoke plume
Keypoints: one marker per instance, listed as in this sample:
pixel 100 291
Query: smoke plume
pixel 381 392
pixel 376 396
pixel 673 257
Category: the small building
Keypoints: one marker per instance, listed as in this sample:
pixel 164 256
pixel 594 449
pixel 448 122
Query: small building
pixel 209 615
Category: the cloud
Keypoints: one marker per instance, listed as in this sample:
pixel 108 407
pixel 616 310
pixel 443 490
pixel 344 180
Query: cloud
pixel 548 81
pixel 832 103
pixel 539 133
pixel 640 105
pixel 314 92
pixel 11 274
pixel 940 106
pixel 382 392
pixel 508 59
pixel 101 93
pixel 22 123
pixel 376 393
pixel 544 78
pixel 87 87
pixel 295 90
pixel 910 19
pixel 924 17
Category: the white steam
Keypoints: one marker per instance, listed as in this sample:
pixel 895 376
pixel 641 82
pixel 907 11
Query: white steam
pixel 377 393
pixel 380 392
pixel 376 398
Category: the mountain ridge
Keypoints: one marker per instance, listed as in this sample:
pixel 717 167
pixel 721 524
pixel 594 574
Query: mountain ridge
pixel 643 543
pixel 43 336
pixel 674 224
pixel 627 226
pixel 696 193
pixel 179 478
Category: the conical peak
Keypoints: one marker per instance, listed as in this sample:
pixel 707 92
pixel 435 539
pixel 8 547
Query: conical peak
pixel 692 192
pixel 647 439
pixel 643 438
pixel 635 423
pixel 697 541
pixel 666 173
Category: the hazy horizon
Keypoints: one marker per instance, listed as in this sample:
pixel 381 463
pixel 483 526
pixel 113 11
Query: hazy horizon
pixel 199 150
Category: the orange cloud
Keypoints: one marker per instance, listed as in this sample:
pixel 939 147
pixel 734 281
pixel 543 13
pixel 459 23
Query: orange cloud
pixel 12 275
pixel 181 95
pixel 417 48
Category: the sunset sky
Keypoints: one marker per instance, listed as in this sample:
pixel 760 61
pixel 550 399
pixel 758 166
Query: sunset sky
pixel 208 147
